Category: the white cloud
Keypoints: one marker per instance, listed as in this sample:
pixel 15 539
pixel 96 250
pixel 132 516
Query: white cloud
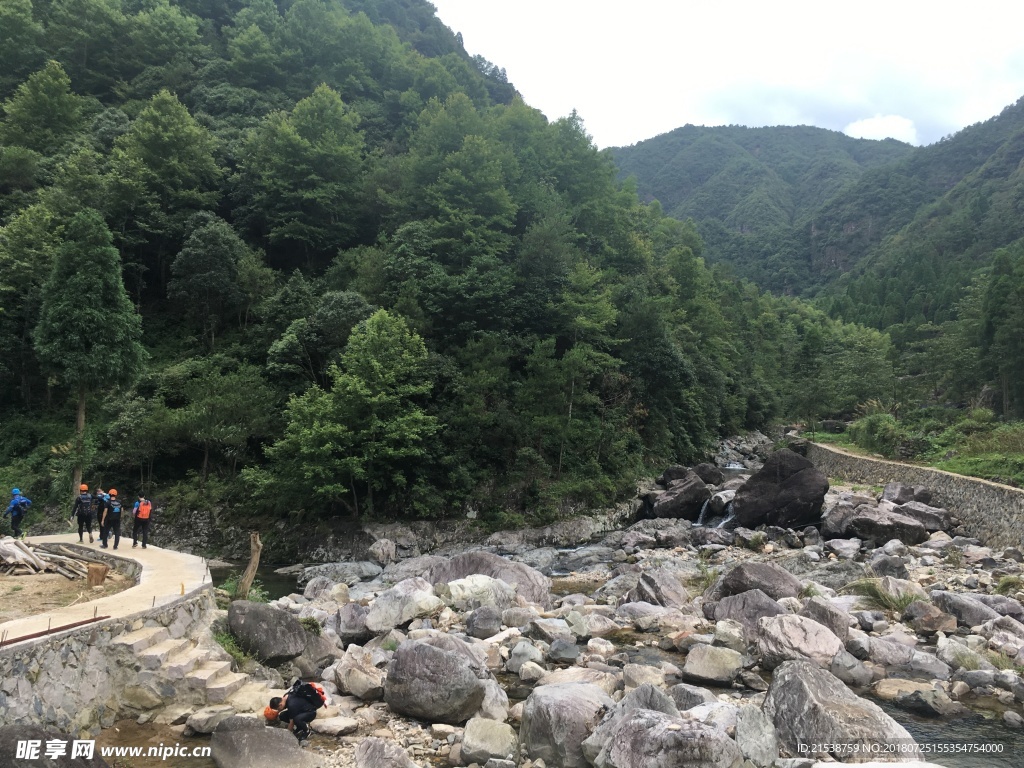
pixel 884 127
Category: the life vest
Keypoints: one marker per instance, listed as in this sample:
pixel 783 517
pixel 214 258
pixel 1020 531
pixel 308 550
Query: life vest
pixel 145 507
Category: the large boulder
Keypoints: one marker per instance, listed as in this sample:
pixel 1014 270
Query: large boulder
pixel 768 577
pixel 432 684
pixel 659 586
pixel 932 518
pixel 645 696
pixel 969 611
pixel 710 664
pixel 810 707
pixel 381 753
pixel 475 591
pixel 347 573
pixel 648 739
pixel 407 600
pixel 747 608
pixel 269 634
pixel 12 733
pixel 349 623
pixel 528 582
pixel 242 742
pixel 484 739
pixel 787 638
pixel 871 524
pixel 684 498
pixel 787 491
pixel 355 673
pixel 557 719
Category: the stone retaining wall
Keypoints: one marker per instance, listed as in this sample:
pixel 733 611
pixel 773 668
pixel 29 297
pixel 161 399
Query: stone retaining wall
pixel 990 512
pixel 78 680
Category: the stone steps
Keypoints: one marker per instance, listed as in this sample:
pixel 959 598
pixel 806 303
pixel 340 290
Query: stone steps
pixel 224 685
pixel 203 675
pixel 181 664
pixel 141 639
pixel 157 655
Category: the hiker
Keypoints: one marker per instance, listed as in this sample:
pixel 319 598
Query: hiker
pixel 111 520
pixel 16 509
pixel 141 511
pixel 83 510
pixel 297 707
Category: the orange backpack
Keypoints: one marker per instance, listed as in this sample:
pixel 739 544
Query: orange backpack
pixel 145 508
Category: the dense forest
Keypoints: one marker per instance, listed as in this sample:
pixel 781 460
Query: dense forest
pixel 312 258
pixel 924 244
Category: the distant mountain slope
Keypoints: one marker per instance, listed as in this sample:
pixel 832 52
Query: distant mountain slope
pixel 752 187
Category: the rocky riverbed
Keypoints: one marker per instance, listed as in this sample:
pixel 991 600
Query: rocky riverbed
pixel 767 635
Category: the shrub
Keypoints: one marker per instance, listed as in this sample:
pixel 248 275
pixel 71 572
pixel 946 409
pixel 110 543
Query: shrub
pixel 257 593
pixel 229 643
pixel 874 597
pixel 1009 584
pixel 311 625
pixel 878 432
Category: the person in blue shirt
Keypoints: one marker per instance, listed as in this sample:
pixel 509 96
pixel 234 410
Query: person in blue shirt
pixel 16 509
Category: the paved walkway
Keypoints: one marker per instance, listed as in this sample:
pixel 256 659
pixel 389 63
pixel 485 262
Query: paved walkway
pixel 166 574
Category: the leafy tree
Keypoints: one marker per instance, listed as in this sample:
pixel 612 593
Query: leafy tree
pixel 20 42
pixel 205 283
pixel 43 112
pixel 88 332
pixel 369 428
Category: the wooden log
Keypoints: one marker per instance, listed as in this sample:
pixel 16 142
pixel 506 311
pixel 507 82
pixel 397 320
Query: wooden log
pixel 39 564
pixel 97 574
pixel 245 583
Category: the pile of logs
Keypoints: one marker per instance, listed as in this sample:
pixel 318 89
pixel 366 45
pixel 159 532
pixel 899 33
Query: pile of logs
pixel 17 558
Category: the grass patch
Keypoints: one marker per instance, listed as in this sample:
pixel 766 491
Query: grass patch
pixel 229 643
pixel 954 557
pixel 311 625
pixel 705 579
pixel 809 591
pixel 756 542
pixel 1009 584
pixel 257 592
pixel 875 597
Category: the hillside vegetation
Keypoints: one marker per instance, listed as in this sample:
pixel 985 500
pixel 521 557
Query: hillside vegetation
pixel 310 259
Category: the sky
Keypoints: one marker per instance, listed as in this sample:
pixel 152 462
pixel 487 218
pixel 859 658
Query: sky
pixel 634 69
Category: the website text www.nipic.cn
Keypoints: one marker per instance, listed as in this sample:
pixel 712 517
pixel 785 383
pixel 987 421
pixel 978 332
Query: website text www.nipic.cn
pixel 36 749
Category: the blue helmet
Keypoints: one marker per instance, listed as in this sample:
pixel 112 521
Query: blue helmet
pixel 15 491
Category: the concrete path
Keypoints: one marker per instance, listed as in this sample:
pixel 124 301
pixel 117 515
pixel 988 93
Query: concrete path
pixel 166 575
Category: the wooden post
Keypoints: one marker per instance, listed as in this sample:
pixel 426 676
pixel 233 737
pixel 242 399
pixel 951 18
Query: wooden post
pixel 97 574
pixel 244 583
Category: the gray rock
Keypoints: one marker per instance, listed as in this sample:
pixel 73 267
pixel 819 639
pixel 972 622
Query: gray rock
pixel 788 491
pixel 768 577
pixel 927 619
pixel 689 696
pixel 563 651
pixel 810 706
pixel 684 498
pixel 643 697
pixel 788 638
pixel 1001 604
pixel 349 623
pixel 850 670
pixel 528 582
pixel 660 586
pixel 271 635
pixel 484 622
pixel 407 600
pixel 407 569
pixel 349 573
pixel 709 664
pixel 378 753
pixel 355 673
pixel 648 739
pixel 969 611
pixel 747 608
pixel 844 549
pixel 484 739
pixel 523 652
pixel 825 613
pixel 932 518
pixel 558 718
pixel 475 591
pixel 888 565
pixel 207 719
pixel 262 748
pixel 317 586
pixel 755 736
pixel 432 684
pixel 872 524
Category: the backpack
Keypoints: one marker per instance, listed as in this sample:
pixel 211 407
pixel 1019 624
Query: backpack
pixel 85 504
pixel 21 507
pixel 311 692
pixel 145 507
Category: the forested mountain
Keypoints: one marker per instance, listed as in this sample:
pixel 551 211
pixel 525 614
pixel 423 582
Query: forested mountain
pixel 754 191
pixel 310 258
pixel 903 240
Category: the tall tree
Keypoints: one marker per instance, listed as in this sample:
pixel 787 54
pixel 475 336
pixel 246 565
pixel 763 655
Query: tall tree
pixel 43 112
pixel 88 332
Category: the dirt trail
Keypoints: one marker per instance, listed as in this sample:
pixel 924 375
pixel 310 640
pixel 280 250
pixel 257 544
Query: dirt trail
pixel 22 596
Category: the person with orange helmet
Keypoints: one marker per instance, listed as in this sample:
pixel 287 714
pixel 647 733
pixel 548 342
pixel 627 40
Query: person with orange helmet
pixel 110 522
pixel 82 509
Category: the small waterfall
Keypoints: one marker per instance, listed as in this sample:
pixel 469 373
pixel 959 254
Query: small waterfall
pixel 702 518
pixel 728 516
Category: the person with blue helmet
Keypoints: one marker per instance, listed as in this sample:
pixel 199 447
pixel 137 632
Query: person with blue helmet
pixel 16 509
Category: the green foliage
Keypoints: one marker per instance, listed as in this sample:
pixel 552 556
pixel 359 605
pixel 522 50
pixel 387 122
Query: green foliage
pixel 229 643
pixel 311 625
pixel 43 112
pixel 257 593
pixel 874 596
pixel 1008 585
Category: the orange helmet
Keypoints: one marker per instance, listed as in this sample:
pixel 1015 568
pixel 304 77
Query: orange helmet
pixel 112 492
pixel 83 487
